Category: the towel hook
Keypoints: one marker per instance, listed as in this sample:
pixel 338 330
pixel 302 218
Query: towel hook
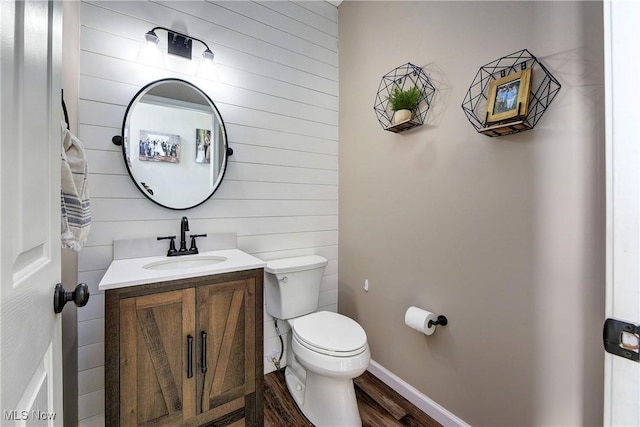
pixel 64 109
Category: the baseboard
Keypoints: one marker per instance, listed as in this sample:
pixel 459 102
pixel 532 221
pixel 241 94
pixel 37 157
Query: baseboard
pixel 410 393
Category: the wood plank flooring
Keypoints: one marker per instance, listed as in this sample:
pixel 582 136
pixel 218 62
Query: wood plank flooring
pixel 379 405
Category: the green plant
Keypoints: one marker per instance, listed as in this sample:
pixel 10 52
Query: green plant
pixel 404 99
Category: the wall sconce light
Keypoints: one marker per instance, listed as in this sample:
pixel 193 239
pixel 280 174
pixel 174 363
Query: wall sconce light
pixel 150 53
pixel 177 44
pixel 207 68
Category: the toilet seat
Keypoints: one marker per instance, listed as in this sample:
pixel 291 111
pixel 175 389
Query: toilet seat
pixel 330 333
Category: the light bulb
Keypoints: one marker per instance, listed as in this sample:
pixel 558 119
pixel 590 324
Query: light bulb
pixel 150 53
pixel 207 68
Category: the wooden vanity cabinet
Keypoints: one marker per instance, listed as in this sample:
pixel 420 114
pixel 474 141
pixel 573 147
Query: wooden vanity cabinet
pixel 186 352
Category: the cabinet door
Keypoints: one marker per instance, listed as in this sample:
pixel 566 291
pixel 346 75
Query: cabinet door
pixel 226 391
pixel 154 385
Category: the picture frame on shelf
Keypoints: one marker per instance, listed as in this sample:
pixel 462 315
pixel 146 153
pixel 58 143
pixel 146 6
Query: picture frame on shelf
pixel 509 97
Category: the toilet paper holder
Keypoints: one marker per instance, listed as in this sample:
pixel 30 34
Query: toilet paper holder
pixel 441 320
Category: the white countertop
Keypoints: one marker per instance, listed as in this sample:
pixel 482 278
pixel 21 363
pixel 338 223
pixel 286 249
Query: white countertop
pixel 130 272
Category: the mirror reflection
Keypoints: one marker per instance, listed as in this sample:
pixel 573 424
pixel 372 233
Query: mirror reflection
pixel 175 144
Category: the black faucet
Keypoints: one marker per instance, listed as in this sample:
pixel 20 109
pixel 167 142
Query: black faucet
pixel 184 227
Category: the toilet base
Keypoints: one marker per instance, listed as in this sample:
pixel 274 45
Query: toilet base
pixel 325 401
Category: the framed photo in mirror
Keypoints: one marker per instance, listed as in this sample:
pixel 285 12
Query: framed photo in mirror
pixel 203 146
pixel 159 147
pixel 509 97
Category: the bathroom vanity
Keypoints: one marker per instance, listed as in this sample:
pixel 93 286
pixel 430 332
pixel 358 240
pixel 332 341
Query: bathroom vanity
pixel 183 327
pixel 183 340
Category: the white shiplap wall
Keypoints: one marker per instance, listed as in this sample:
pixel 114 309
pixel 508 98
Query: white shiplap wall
pixel 278 95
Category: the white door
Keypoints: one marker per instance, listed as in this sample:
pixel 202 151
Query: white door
pixel 622 93
pixel 30 138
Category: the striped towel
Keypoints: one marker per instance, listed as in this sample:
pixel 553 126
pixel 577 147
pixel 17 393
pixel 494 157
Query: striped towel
pixel 76 211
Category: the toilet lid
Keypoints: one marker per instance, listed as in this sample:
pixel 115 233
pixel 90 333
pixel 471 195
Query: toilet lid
pixel 325 330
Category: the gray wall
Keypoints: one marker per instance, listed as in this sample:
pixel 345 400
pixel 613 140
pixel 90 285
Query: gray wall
pixel 278 96
pixel 503 235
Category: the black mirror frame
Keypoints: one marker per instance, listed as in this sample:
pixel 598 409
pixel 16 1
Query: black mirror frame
pixel 119 139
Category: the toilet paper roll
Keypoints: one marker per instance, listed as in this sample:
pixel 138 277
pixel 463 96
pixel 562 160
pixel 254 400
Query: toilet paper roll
pixel 418 319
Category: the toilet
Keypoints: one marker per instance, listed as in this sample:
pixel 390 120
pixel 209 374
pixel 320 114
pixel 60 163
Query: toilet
pixel 326 350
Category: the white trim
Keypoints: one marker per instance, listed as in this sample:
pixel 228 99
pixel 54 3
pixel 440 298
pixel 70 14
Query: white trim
pixel 414 396
pixel 608 110
pixel 622 377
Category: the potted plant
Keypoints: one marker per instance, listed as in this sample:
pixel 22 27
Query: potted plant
pixel 403 102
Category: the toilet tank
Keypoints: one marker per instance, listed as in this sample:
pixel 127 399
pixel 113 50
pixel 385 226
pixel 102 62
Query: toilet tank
pixel 292 285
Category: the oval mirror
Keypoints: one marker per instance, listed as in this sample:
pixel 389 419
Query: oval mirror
pixel 174 144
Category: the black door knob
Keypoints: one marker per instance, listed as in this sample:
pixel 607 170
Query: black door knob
pixel 80 296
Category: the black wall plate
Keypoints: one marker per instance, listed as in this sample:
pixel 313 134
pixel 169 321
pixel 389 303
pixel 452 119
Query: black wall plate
pixel 179 45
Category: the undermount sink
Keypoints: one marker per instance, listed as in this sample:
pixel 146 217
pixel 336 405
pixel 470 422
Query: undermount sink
pixel 186 263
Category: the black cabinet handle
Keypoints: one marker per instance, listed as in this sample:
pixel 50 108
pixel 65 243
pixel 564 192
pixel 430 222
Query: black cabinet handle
pixel 189 356
pixel 203 355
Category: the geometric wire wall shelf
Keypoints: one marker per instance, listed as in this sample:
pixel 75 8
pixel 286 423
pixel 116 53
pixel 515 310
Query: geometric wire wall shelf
pixel 404 77
pixel 544 87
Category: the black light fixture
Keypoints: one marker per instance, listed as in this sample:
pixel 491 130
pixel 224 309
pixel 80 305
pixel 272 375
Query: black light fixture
pixel 178 44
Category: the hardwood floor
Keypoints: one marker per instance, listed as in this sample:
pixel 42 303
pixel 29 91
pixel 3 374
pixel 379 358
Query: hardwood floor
pixel 379 405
